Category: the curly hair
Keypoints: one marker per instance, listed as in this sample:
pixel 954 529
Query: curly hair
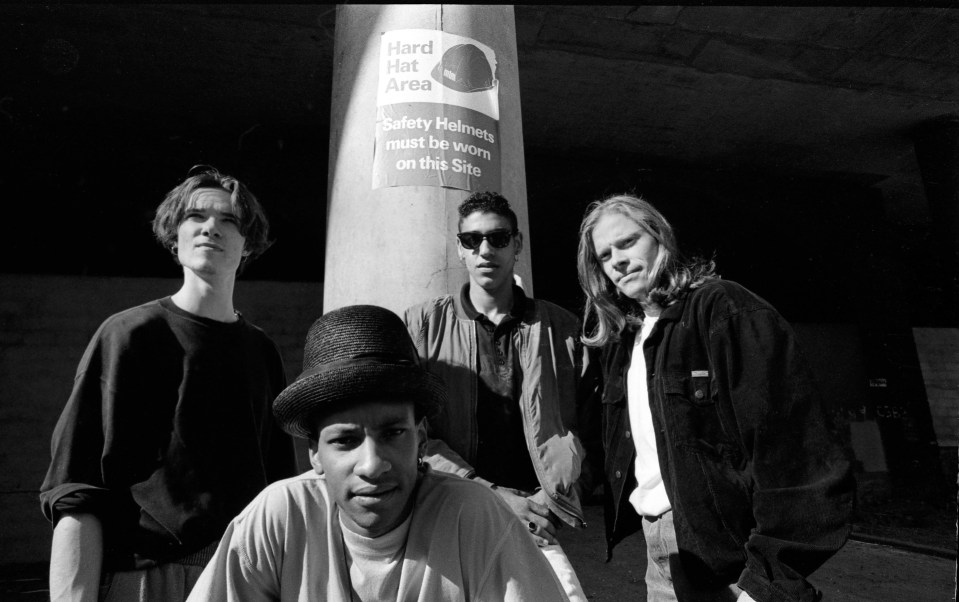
pixel 607 313
pixel 487 202
pixel 253 224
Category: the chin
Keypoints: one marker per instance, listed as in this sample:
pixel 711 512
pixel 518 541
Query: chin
pixel 378 526
pixel 491 284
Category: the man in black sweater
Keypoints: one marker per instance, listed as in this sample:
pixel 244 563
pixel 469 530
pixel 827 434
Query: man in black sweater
pixel 168 432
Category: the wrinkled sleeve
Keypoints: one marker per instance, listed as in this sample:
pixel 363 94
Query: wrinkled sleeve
pixel 517 570
pixel 439 455
pixel 281 456
pixel 110 426
pixel 803 488
pixel 74 479
pixel 232 575
pixel 589 419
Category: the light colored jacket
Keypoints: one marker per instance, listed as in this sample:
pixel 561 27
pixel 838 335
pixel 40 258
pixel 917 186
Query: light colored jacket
pixel 553 362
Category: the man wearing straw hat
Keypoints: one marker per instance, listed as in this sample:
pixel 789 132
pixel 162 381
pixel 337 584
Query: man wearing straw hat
pixel 371 521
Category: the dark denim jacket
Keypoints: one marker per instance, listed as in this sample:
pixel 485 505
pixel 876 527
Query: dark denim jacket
pixel 761 489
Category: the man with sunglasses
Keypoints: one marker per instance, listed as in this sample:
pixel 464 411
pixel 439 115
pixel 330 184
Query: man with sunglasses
pixel 514 368
pixel 168 432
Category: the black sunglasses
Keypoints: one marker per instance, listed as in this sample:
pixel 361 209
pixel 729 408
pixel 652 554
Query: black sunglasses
pixel 497 238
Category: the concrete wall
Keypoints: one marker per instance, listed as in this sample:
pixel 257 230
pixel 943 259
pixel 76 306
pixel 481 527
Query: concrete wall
pixel 45 324
pixel 835 354
pixel 938 350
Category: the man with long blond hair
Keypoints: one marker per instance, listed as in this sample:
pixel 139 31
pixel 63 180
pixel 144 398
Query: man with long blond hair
pixel 717 443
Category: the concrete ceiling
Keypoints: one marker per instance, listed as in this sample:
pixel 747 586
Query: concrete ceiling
pixel 104 107
pixel 802 89
pixel 808 90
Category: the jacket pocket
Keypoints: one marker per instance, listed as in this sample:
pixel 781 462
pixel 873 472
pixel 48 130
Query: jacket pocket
pixel 729 499
pixel 692 415
pixel 695 389
pixel 615 420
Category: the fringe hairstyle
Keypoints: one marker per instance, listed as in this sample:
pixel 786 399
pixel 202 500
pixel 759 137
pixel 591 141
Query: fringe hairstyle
pixel 607 312
pixel 253 224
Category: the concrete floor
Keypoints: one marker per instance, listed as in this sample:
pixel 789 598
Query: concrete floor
pixel 860 572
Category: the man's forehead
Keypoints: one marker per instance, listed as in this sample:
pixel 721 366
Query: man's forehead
pixel 375 413
pixel 210 196
pixel 618 223
pixel 486 219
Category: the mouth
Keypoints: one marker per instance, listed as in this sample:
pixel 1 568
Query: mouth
pixel 487 266
pixel 209 245
pixel 372 495
pixel 630 275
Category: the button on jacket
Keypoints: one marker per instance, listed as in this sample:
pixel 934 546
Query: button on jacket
pixel 552 361
pixel 760 487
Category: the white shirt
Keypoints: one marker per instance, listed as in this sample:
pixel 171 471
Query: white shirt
pixel 462 543
pixel 649 498
pixel 375 562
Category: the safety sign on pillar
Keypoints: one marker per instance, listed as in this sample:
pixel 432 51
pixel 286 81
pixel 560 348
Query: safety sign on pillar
pixel 425 110
pixel 437 112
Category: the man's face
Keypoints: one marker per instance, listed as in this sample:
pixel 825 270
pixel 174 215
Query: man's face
pixel 208 238
pixel 489 268
pixel 627 252
pixel 368 454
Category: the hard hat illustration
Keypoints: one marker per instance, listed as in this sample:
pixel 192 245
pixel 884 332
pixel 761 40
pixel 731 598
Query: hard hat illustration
pixel 464 68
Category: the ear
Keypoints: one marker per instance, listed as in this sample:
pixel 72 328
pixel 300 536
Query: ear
pixel 421 437
pixel 315 458
pixel 517 243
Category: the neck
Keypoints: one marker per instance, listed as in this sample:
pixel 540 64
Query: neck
pixel 208 298
pixel 496 304
pixel 651 309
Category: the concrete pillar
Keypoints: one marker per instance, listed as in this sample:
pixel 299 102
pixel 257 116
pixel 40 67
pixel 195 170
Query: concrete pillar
pixel 395 246
pixel 936 144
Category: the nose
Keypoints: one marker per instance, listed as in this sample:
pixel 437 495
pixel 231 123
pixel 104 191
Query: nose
pixel 619 260
pixel 371 462
pixel 486 249
pixel 210 227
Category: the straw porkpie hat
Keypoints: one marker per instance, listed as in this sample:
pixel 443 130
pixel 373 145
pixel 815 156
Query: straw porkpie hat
pixel 356 353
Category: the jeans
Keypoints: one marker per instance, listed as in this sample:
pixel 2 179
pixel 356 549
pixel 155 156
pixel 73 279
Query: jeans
pixel 168 582
pixel 666 581
pixel 564 572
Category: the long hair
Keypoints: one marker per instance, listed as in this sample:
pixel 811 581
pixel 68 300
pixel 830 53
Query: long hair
pixel 607 313
pixel 253 224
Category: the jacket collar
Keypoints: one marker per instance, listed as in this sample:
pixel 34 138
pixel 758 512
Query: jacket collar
pixel 672 313
pixel 675 311
pixel 522 308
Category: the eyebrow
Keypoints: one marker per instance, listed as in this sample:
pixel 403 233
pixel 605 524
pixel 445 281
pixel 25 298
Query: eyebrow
pixel 379 425
pixel 192 208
